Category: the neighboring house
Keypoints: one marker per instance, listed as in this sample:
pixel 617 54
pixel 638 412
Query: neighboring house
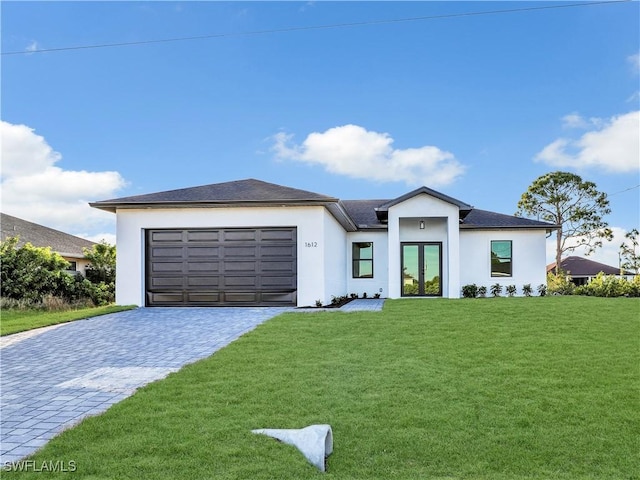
pixel 250 242
pixel 68 246
pixel 581 270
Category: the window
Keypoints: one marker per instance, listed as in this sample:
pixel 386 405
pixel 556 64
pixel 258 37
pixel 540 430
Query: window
pixel 362 260
pixel 72 266
pixel 501 265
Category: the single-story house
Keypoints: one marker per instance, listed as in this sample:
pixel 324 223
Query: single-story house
pixel 250 242
pixel 581 271
pixel 67 246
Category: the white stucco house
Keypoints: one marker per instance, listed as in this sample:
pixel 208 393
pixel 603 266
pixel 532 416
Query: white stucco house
pixel 249 242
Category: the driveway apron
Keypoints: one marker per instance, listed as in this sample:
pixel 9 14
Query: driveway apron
pixel 52 379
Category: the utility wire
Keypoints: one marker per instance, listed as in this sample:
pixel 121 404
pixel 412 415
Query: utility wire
pixel 317 27
pixel 625 190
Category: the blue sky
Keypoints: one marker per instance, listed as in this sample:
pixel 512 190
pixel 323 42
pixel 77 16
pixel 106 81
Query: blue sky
pixel 473 105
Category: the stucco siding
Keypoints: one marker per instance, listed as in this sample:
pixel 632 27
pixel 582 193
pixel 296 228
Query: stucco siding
pixel 380 281
pixel 335 259
pixel 528 257
pixel 131 224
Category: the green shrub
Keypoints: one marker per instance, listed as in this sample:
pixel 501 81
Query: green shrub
pixel 559 284
pixel 29 272
pixel 37 276
pixel 482 291
pixel 511 290
pixel 470 291
pixel 527 290
pixel 496 289
pixel 610 286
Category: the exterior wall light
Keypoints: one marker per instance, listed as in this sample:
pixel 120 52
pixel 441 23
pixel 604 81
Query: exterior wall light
pixel 421 224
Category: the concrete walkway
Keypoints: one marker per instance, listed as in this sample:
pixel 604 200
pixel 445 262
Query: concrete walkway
pixel 53 377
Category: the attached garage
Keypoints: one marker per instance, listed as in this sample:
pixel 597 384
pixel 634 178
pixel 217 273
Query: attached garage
pixel 221 267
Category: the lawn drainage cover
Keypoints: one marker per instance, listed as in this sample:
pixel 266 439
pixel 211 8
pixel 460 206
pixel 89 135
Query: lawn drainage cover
pixel 315 442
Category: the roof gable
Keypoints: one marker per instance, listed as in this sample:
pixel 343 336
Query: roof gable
pixel 383 210
pixel 41 236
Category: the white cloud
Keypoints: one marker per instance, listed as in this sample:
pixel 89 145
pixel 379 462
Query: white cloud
pixel 33 46
pixel 614 146
pixel 35 189
pixel 575 120
pixel 110 238
pixel 356 152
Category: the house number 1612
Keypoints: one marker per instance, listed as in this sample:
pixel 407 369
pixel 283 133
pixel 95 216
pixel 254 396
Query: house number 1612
pixel 311 244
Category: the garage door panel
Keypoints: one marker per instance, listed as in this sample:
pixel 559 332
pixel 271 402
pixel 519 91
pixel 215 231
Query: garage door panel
pixel 278 298
pixel 167 236
pixel 166 267
pixel 240 251
pixel 241 297
pixel 203 297
pixel 269 282
pixel 165 252
pixel 209 281
pixel 193 267
pixel 163 298
pixel 240 235
pixel 202 252
pixel 160 282
pixel 278 266
pixel 287 251
pixel 203 236
pixel 231 266
pixel 278 234
pixel 240 281
pixel 227 266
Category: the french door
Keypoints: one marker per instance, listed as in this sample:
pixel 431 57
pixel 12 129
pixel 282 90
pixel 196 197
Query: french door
pixel 421 269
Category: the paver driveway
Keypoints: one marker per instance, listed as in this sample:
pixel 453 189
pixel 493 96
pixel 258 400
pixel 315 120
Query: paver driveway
pixel 54 379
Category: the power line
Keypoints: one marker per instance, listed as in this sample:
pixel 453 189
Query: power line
pixel 317 27
pixel 625 190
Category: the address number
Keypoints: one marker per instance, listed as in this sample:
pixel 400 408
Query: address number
pixel 311 244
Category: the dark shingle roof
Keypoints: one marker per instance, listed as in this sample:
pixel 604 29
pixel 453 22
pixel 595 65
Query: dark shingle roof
pixel 583 267
pixel 363 212
pixel 360 214
pixel 485 219
pixel 41 236
pixel 240 191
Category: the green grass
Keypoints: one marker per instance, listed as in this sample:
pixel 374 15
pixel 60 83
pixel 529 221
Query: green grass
pixel 507 388
pixel 14 321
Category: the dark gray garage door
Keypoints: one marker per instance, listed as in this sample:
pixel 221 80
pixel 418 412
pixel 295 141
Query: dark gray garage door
pixel 221 267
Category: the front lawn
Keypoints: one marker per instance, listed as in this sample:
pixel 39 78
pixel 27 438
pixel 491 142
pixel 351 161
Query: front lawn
pixel 14 321
pixel 506 388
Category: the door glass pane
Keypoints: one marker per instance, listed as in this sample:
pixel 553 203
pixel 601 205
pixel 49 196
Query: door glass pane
pixel 432 269
pixel 410 270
